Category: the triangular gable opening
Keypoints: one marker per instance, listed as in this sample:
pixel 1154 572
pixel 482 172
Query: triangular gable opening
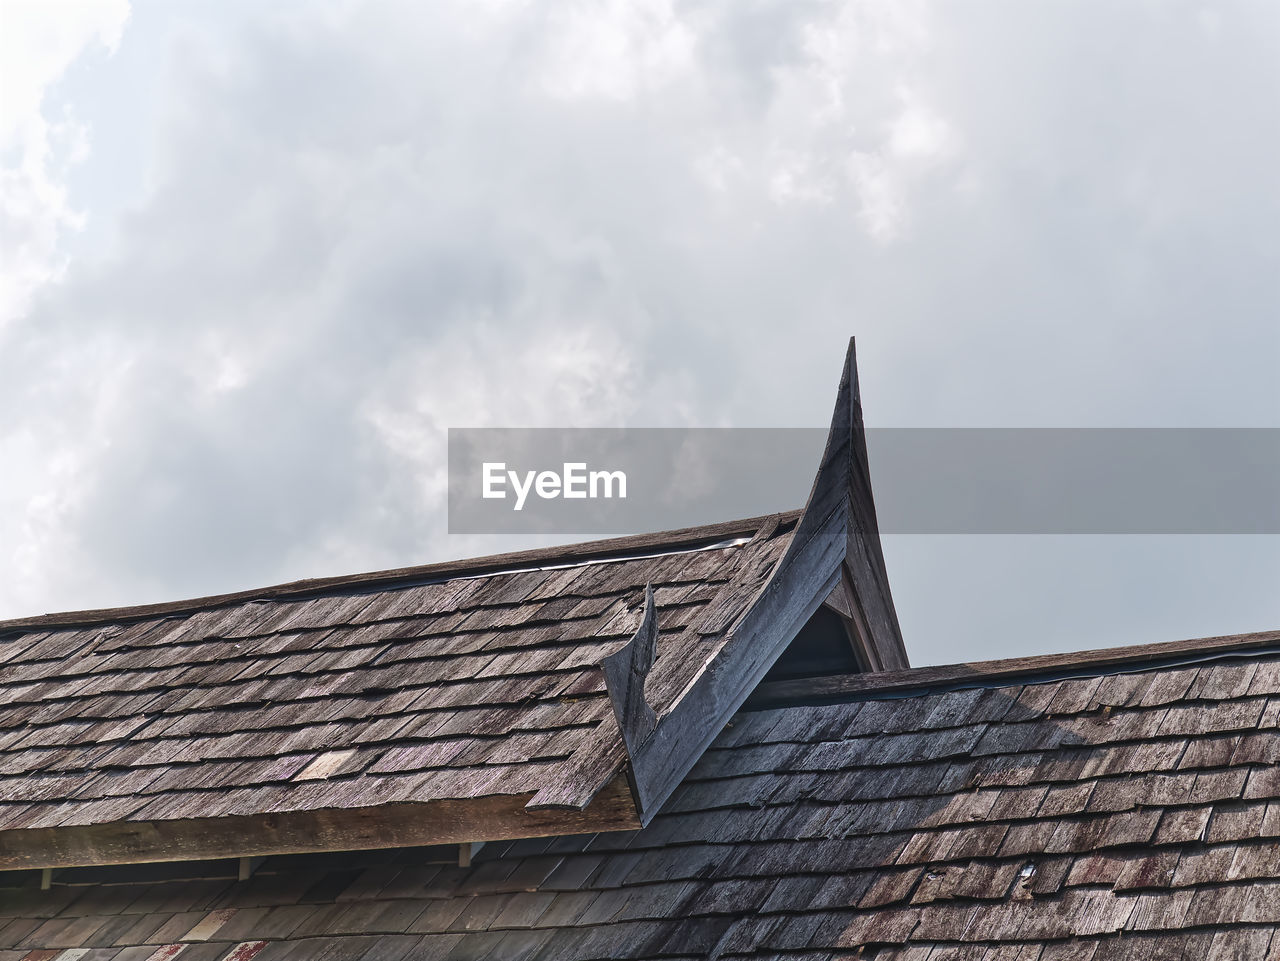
pixel 824 647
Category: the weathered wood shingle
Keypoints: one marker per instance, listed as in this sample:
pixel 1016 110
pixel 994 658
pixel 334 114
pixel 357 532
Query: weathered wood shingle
pixel 440 685
pixel 869 827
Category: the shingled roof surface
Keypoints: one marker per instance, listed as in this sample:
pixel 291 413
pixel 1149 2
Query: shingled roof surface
pixel 1099 816
pixel 452 681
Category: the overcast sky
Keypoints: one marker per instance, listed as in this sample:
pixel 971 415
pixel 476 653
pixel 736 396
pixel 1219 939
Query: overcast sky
pixel 258 257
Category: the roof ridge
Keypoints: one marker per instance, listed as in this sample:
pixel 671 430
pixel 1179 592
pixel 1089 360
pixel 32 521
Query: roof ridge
pixel 1095 662
pixel 581 552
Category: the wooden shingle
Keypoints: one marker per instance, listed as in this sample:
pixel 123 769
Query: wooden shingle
pixel 415 687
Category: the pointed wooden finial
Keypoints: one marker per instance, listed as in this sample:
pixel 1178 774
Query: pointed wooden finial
pixel 625 671
pixel 842 491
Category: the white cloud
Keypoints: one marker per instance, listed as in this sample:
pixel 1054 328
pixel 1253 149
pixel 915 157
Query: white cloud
pixel 614 50
pixel 365 222
pixel 41 140
pixel 851 123
pixel 918 133
pixel 880 201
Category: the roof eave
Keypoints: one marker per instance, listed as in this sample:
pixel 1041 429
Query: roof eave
pixel 453 821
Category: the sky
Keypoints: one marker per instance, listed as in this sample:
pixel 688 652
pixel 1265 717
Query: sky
pixel 257 258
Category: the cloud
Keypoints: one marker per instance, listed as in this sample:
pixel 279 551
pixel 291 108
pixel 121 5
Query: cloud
pixel 362 223
pixel 614 51
pixel 41 140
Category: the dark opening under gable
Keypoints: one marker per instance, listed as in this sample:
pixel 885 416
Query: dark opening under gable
pixel 823 648
pixel 833 642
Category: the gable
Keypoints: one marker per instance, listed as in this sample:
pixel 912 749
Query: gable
pixel 833 557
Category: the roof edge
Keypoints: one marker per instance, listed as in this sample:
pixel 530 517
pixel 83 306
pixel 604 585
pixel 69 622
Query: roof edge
pixel 1099 661
pixel 584 551
pixel 372 827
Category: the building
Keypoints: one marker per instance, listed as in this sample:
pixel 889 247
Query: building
pixel 700 744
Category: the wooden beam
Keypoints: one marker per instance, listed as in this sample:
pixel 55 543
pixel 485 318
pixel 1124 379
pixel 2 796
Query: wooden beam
pixel 689 538
pixel 302 832
pixel 46 879
pixel 1113 660
pixel 774 618
pixel 468 850
pixel 845 606
pixel 840 601
pixel 625 671
pixel 246 868
pixel 849 471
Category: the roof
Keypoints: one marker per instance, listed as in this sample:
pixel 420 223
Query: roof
pixel 977 812
pixel 303 772
pixel 541 693
pixel 445 684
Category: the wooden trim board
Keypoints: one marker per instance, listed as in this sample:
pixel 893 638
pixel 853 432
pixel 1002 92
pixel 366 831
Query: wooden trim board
pixel 468 821
pixel 1112 660
pixel 687 538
